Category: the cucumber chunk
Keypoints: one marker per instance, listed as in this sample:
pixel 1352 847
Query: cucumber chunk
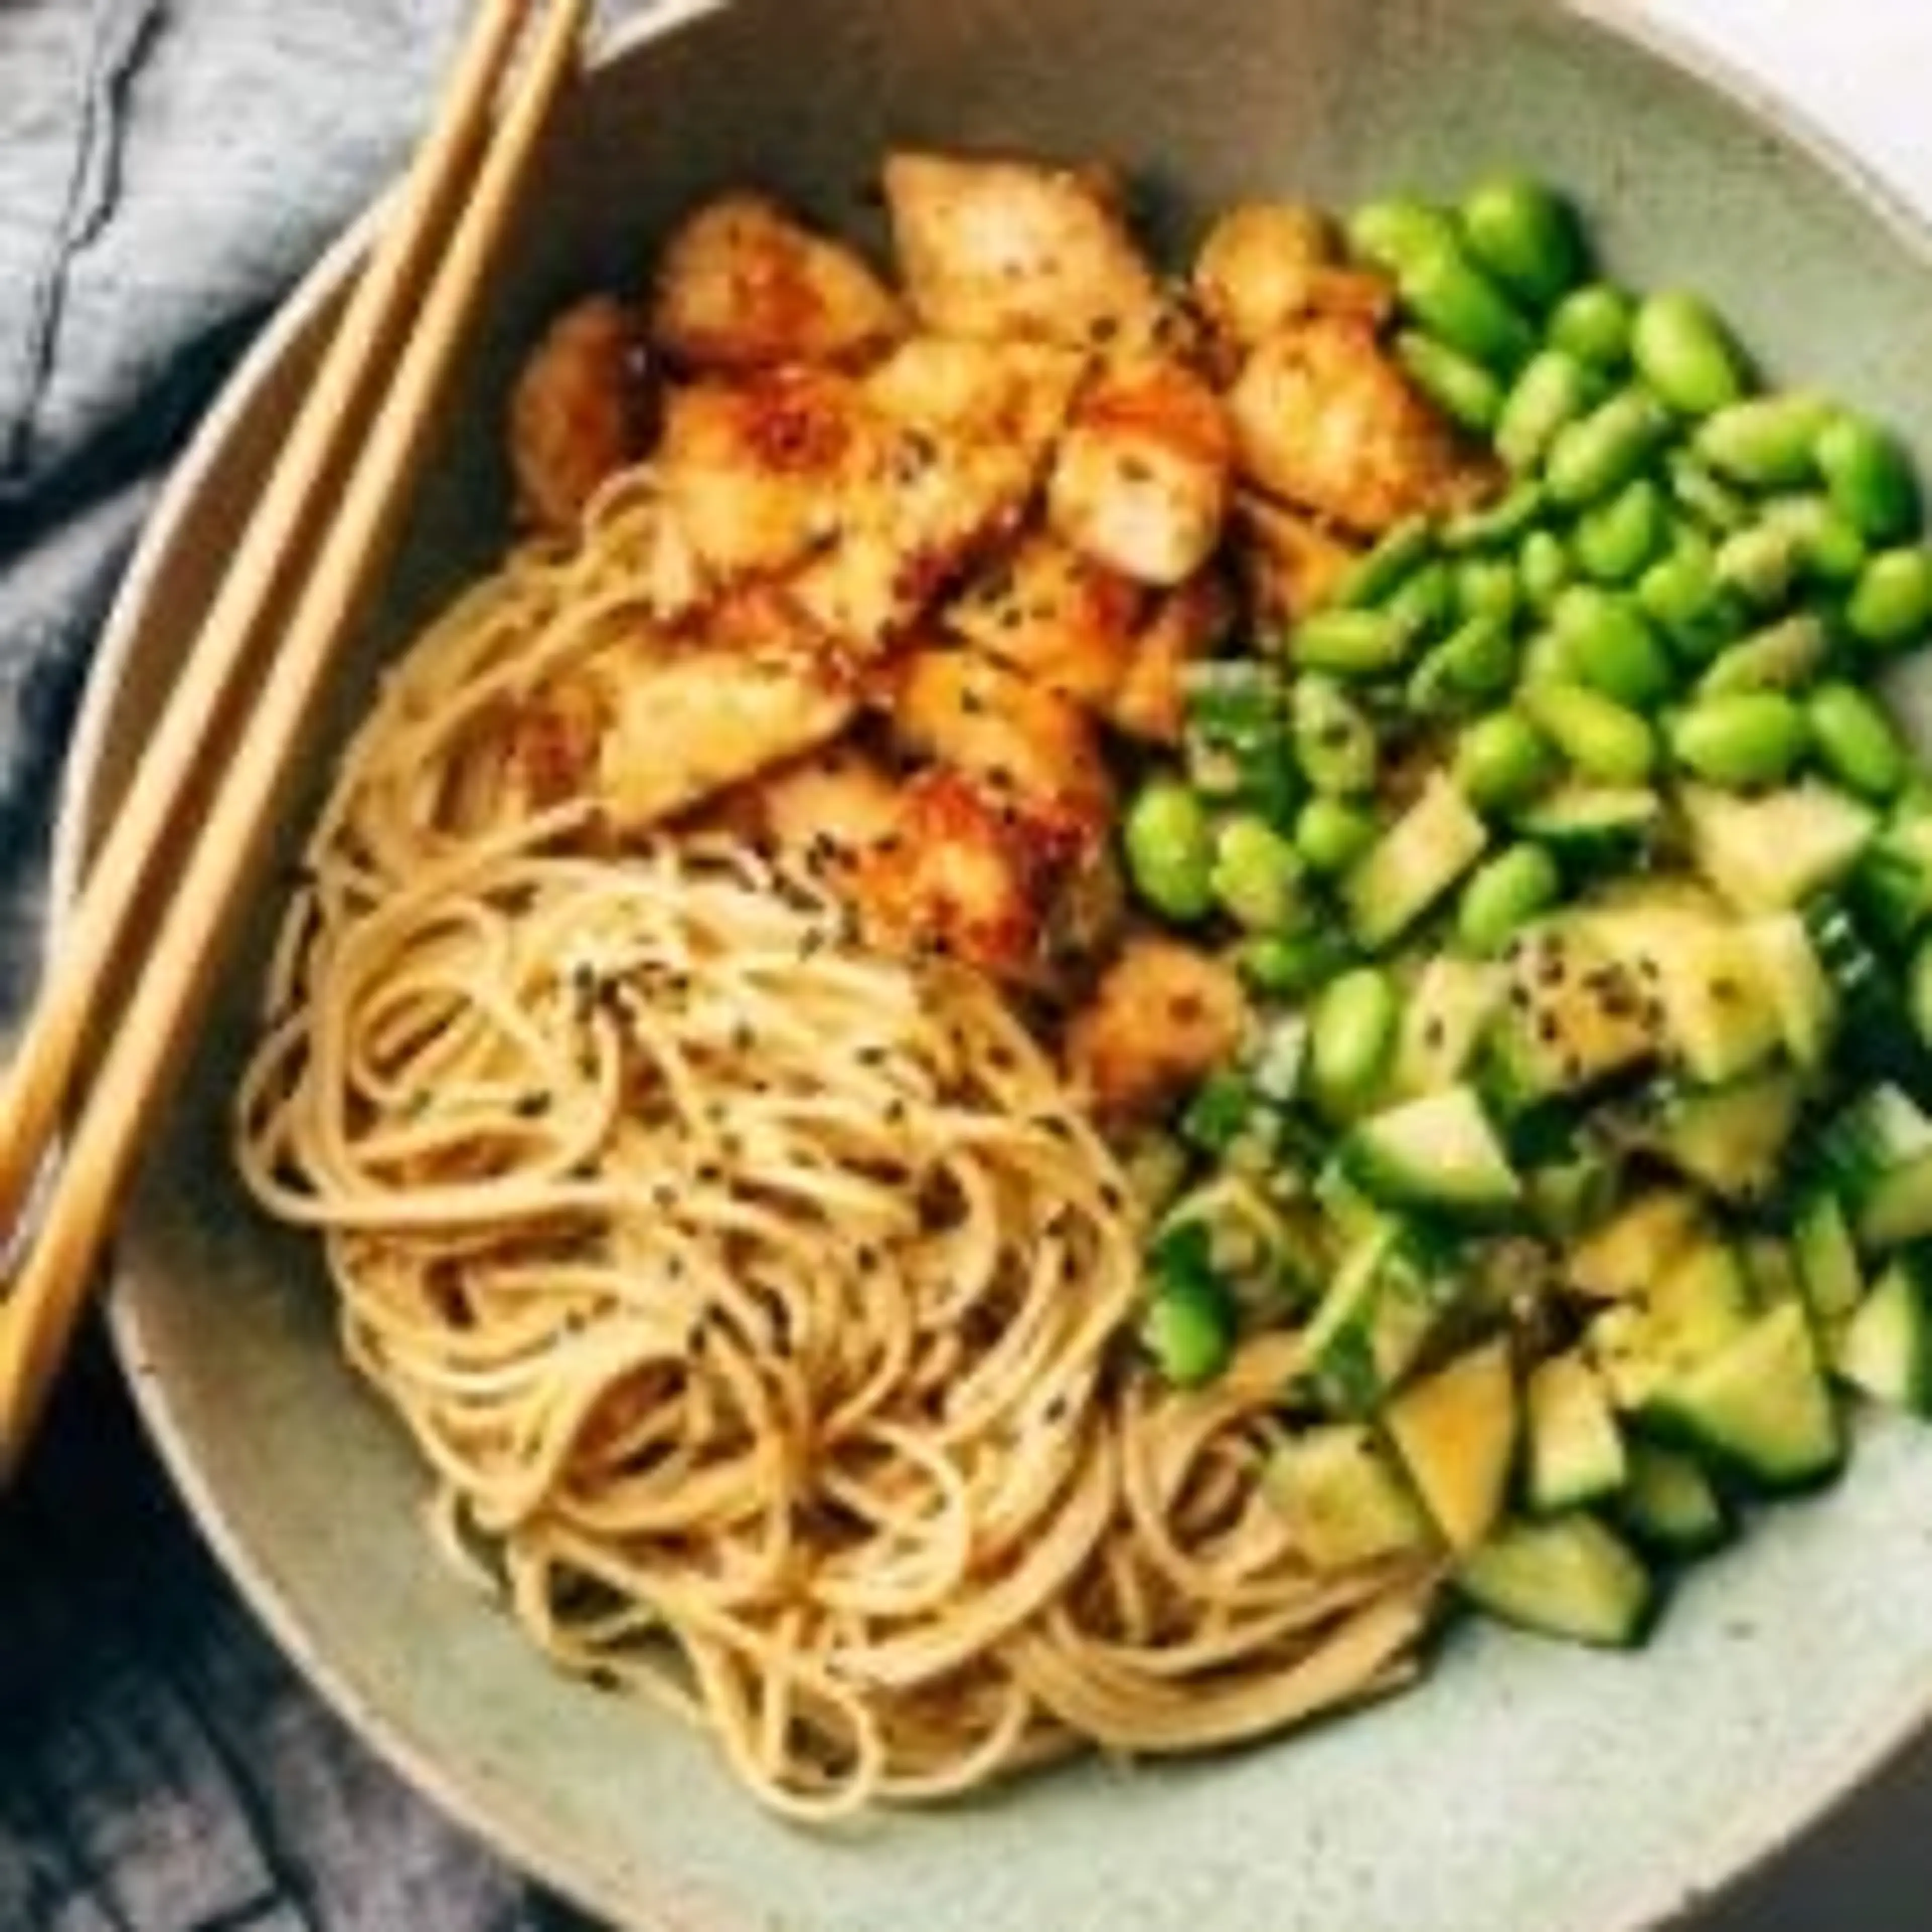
pixel 1379 1313
pixel 1451 1004
pixel 1456 1432
pixel 1570 1577
pixel 1574 1017
pixel 1877 1154
pixel 1759 1405
pixel 1731 1139
pixel 1344 1497
pixel 1637 1246
pixel 1698 1306
pixel 1439 1152
pixel 1827 1257
pixel 1576 1449
pixel 1412 864
pixel 1670 1505
pixel 1768 853
pixel 1885 1348
pixel 1588 825
pixel 1801 991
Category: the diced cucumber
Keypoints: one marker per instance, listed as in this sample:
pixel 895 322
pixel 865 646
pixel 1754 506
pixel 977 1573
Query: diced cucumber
pixel 1801 992
pixel 1892 885
pixel 1884 1347
pixel 1575 1191
pixel 1344 1497
pixel 1759 1405
pixel 1731 1139
pixel 1412 864
pixel 1827 1257
pixel 1876 1153
pixel 1455 1430
pixel 1439 1154
pixel 1700 1304
pixel 1767 853
pixel 1575 1447
pixel 1670 1504
pixel 1279 1060
pixel 1772 1269
pixel 1451 1004
pixel 1634 1249
pixel 1587 825
pixel 1876 1037
pixel 1267 1261
pixel 1573 1018
pixel 1375 1318
pixel 1569 1576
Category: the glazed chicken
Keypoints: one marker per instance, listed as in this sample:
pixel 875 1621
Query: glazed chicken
pixel 916 565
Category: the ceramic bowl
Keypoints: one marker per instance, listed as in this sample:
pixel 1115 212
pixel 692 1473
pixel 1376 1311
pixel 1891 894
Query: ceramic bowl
pixel 1525 1787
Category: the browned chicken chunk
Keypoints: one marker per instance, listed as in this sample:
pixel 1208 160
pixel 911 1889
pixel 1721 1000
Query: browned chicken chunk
pixel 1059 618
pixel 1265 265
pixel 578 413
pixel 1163 1015
pixel 996 248
pixel 1186 624
pixel 742 285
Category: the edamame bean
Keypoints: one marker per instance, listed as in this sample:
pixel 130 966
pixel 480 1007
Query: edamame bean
pixel 1503 895
pixel 1783 656
pixel 1503 761
pixel 1825 542
pixel 1395 230
pixel 1679 593
pixel 1188 1327
pixel 1552 390
pixel 1525 235
pixel 1603 451
pixel 1765 442
pixel 1335 741
pixel 1890 605
pixel 1487 587
pixel 1698 489
pixel 1169 845
pixel 1856 741
pixel 1350 1033
pixel 1543 564
pixel 1869 478
pixel 1603 738
pixel 1685 353
pixel 1545 658
pixel 1330 834
pixel 1760 563
pixel 1476 662
pixel 1350 643
pixel 1609 645
pixel 1256 875
pixel 1594 324
pixel 1742 739
pixel 1459 304
pixel 1464 391
pixel 1497 523
pixel 1423 602
pixel 1290 966
pixel 1615 540
pixel 1918 989
pixel 1403 548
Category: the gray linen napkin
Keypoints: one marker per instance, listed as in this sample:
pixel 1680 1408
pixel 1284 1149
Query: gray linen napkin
pixel 167 167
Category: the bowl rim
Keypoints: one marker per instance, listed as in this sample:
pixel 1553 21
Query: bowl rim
pixel 1781 1813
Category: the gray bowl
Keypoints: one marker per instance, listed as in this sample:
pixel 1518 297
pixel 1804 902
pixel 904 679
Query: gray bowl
pixel 1525 1787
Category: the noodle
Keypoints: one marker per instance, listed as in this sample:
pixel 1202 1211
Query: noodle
pixel 754 1299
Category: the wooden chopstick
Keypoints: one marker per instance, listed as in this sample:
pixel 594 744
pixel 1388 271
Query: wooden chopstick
pixel 157 1015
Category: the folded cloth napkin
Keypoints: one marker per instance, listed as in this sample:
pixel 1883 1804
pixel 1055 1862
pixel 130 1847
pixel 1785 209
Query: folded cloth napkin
pixel 167 167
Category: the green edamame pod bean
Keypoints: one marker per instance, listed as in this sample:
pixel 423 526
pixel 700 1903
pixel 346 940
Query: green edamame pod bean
pixel 1459 304
pixel 1545 658
pixel 1593 323
pixel 1503 761
pixel 1525 235
pixel 1681 595
pixel 1890 605
pixel 1610 645
pixel 1826 545
pixel 1290 966
pixel 1463 388
pixel 1918 989
pixel 1495 523
pixel 1856 741
pixel 1765 442
pixel 1760 563
pixel 1169 844
pixel 1390 231
pixel 1603 740
pixel 1783 656
pixel 1335 741
pixel 1742 739
pixel 1504 895
pixel 1685 353
pixel 1475 662
pixel 1699 490
pixel 1351 1033
pixel 1615 540
pixel 1603 451
pixel 1869 478
pixel 1423 602
pixel 1256 875
pixel 1330 834
pixel 1543 564
pixel 1403 548
pixel 1551 390
pixel 1487 587
pixel 1350 643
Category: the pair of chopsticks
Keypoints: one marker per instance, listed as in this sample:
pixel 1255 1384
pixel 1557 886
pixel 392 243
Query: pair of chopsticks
pixel 238 709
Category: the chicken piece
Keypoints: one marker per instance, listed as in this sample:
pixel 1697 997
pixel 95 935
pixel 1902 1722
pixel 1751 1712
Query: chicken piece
pixel 1292 564
pixel 1056 616
pixel 1265 265
pixel 579 411
pixel 1163 1015
pixel 1016 738
pixel 1009 248
pixel 830 812
pixel 741 285
pixel 961 434
pixel 1020 892
pixel 1141 480
pixel 1151 701
pixel 755 470
pixel 1323 418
